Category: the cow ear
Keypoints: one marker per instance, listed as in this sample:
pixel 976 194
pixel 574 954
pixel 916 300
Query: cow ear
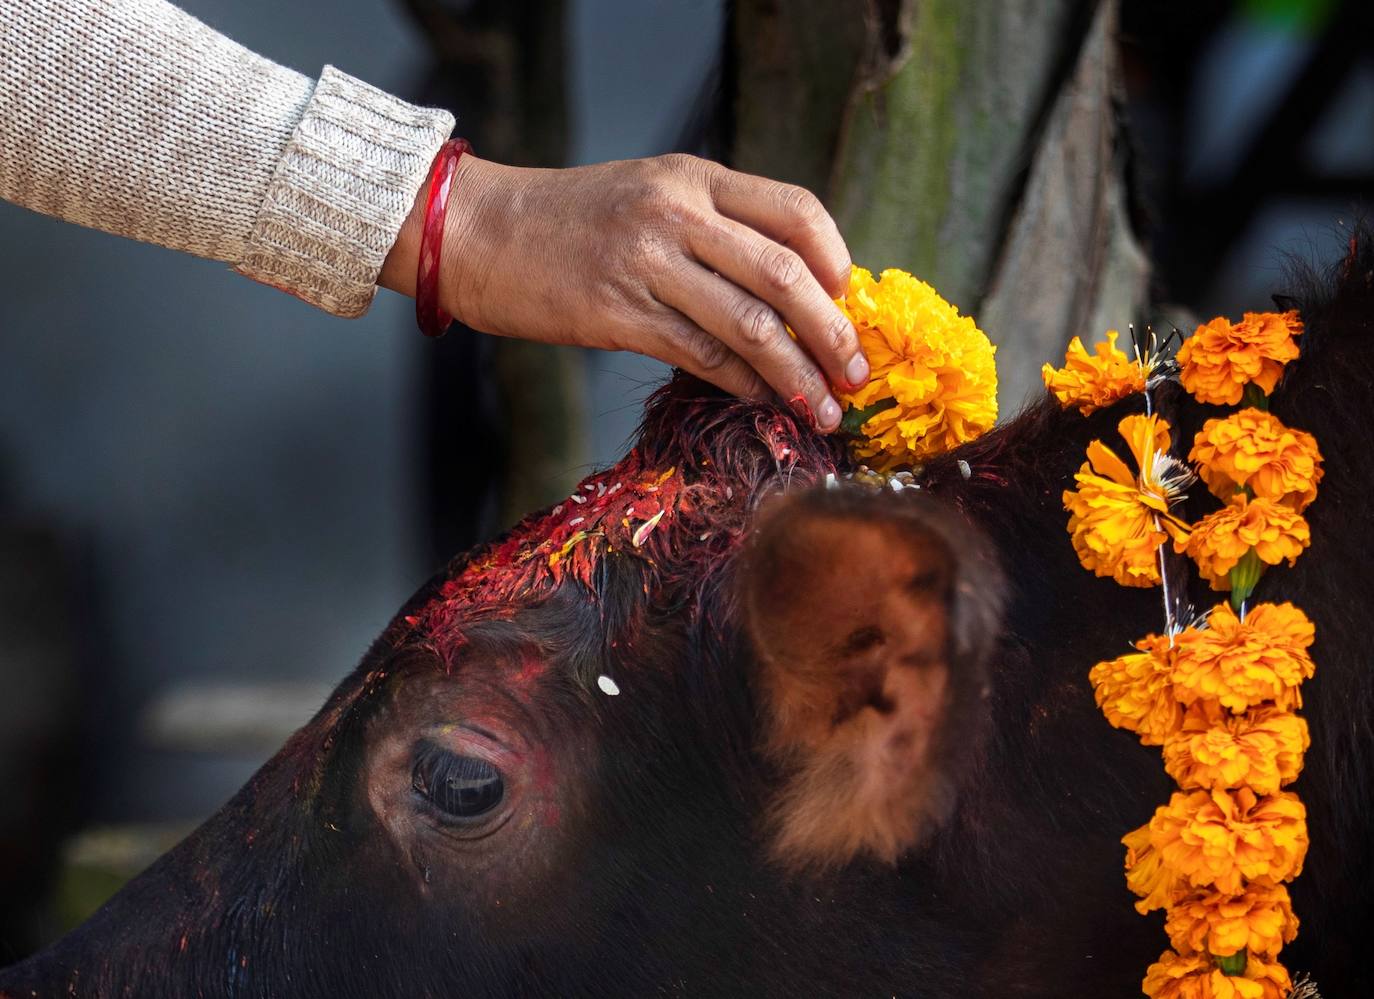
pixel 873 615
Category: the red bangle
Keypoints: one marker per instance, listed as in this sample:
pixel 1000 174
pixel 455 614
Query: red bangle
pixel 433 320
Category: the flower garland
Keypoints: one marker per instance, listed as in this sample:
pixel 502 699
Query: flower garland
pixel 1217 695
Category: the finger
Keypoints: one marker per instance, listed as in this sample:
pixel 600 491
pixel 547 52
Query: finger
pixel 686 345
pixel 753 330
pixel 791 215
pixel 778 276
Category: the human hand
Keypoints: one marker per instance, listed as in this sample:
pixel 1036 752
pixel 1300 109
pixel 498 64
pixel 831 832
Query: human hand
pixel 675 257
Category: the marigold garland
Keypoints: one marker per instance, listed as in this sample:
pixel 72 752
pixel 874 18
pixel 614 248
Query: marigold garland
pixel 1221 358
pixel 1136 691
pixel 1270 530
pixel 1219 695
pixel 1225 839
pixel 1259 920
pixel 1119 518
pixel 933 378
pixel 1212 748
pixel 1241 664
pixel 1194 976
pixel 1093 381
pixel 1252 450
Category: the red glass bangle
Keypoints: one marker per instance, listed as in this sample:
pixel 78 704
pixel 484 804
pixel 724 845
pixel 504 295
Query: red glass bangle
pixel 431 317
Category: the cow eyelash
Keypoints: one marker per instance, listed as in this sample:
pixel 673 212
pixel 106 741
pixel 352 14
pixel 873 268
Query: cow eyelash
pixel 461 788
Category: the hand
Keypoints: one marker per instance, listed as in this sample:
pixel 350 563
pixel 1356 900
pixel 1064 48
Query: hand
pixel 674 257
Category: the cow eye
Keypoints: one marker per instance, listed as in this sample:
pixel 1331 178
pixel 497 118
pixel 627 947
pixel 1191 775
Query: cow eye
pixel 461 786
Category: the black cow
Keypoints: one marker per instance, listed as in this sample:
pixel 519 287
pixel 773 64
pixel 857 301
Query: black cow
pixel 710 728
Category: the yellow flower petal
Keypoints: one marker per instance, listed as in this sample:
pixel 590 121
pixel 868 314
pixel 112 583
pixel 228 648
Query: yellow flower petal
pixel 1252 448
pixel 1157 885
pixel 1118 520
pixel 1223 839
pixel 1092 382
pixel 1259 919
pixel 1221 358
pixel 1195 976
pixel 1261 749
pixel 1219 540
pixel 935 365
pixel 1240 664
pixel 1136 691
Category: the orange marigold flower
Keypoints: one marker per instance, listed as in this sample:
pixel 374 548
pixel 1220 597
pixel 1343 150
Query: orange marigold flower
pixel 933 369
pixel 1239 664
pixel 1253 448
pixel 1221 358
pixel 1260 918
pixel 1223 839
pixel 1118 519
pixel 1219 540
pixel 1260 749
pixel 1091 383
pixel 1157 885
pixel 1195 976
pixel 1136 691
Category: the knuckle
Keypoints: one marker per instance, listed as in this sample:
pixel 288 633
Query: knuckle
pixel 843 262
pixel 810 384
pixel 657 200
pixel 700 171
pixel 616 295
pixel 678 162
pixel 839 334
pixel 708 352
pixel 757 325
pixel 654 253
pixel 803 204
pixel 782 269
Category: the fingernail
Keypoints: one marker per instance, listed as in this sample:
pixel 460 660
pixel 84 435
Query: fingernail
pixel 828 416
pixel 856 370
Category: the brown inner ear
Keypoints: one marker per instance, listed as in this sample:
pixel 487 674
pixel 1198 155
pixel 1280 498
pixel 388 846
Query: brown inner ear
pixel 850 612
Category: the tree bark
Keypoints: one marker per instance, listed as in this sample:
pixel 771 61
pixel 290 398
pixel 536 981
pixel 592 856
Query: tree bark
pixel 502 66
pixel 975 145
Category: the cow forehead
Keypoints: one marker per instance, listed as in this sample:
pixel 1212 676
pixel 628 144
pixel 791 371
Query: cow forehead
pixel 630 509
pixel 677 507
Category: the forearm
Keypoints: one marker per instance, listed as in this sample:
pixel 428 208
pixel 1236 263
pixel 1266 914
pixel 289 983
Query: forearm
pixel 133 117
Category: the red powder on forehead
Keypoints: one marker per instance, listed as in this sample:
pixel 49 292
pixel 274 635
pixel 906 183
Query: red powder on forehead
pixel 626 509
pixel 678 504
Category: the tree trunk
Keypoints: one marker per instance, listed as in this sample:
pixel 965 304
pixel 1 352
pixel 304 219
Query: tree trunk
pixel 975 145
pixel 502 68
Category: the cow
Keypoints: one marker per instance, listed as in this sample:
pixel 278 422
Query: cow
pixel 725 724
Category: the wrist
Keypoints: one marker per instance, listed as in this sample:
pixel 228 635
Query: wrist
pixel 398 269
pixel 461 257
pixel 466 256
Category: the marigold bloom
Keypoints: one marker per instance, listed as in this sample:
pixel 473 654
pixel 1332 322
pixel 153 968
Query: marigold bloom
pixel 1146 875
pixel 1221 358
pixel 1195 976
pixel 1223 839
pixel 1219 540
pixel 1118 519
pixel 1136 691
pixel 1260 918
pixel 1261 749
pixel 934 365
pixel 1239 664
pixel 1253 448
pixel 1093 382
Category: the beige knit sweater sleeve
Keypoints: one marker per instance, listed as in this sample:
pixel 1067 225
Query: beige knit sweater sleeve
pixel 133 117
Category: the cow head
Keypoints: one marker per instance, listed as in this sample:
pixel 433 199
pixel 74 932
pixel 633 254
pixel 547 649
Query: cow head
pixel 607 748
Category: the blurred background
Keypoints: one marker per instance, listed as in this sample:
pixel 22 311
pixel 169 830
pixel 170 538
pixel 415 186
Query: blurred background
pixel 212 497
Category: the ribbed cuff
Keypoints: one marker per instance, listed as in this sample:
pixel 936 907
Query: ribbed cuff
pixel 343 186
